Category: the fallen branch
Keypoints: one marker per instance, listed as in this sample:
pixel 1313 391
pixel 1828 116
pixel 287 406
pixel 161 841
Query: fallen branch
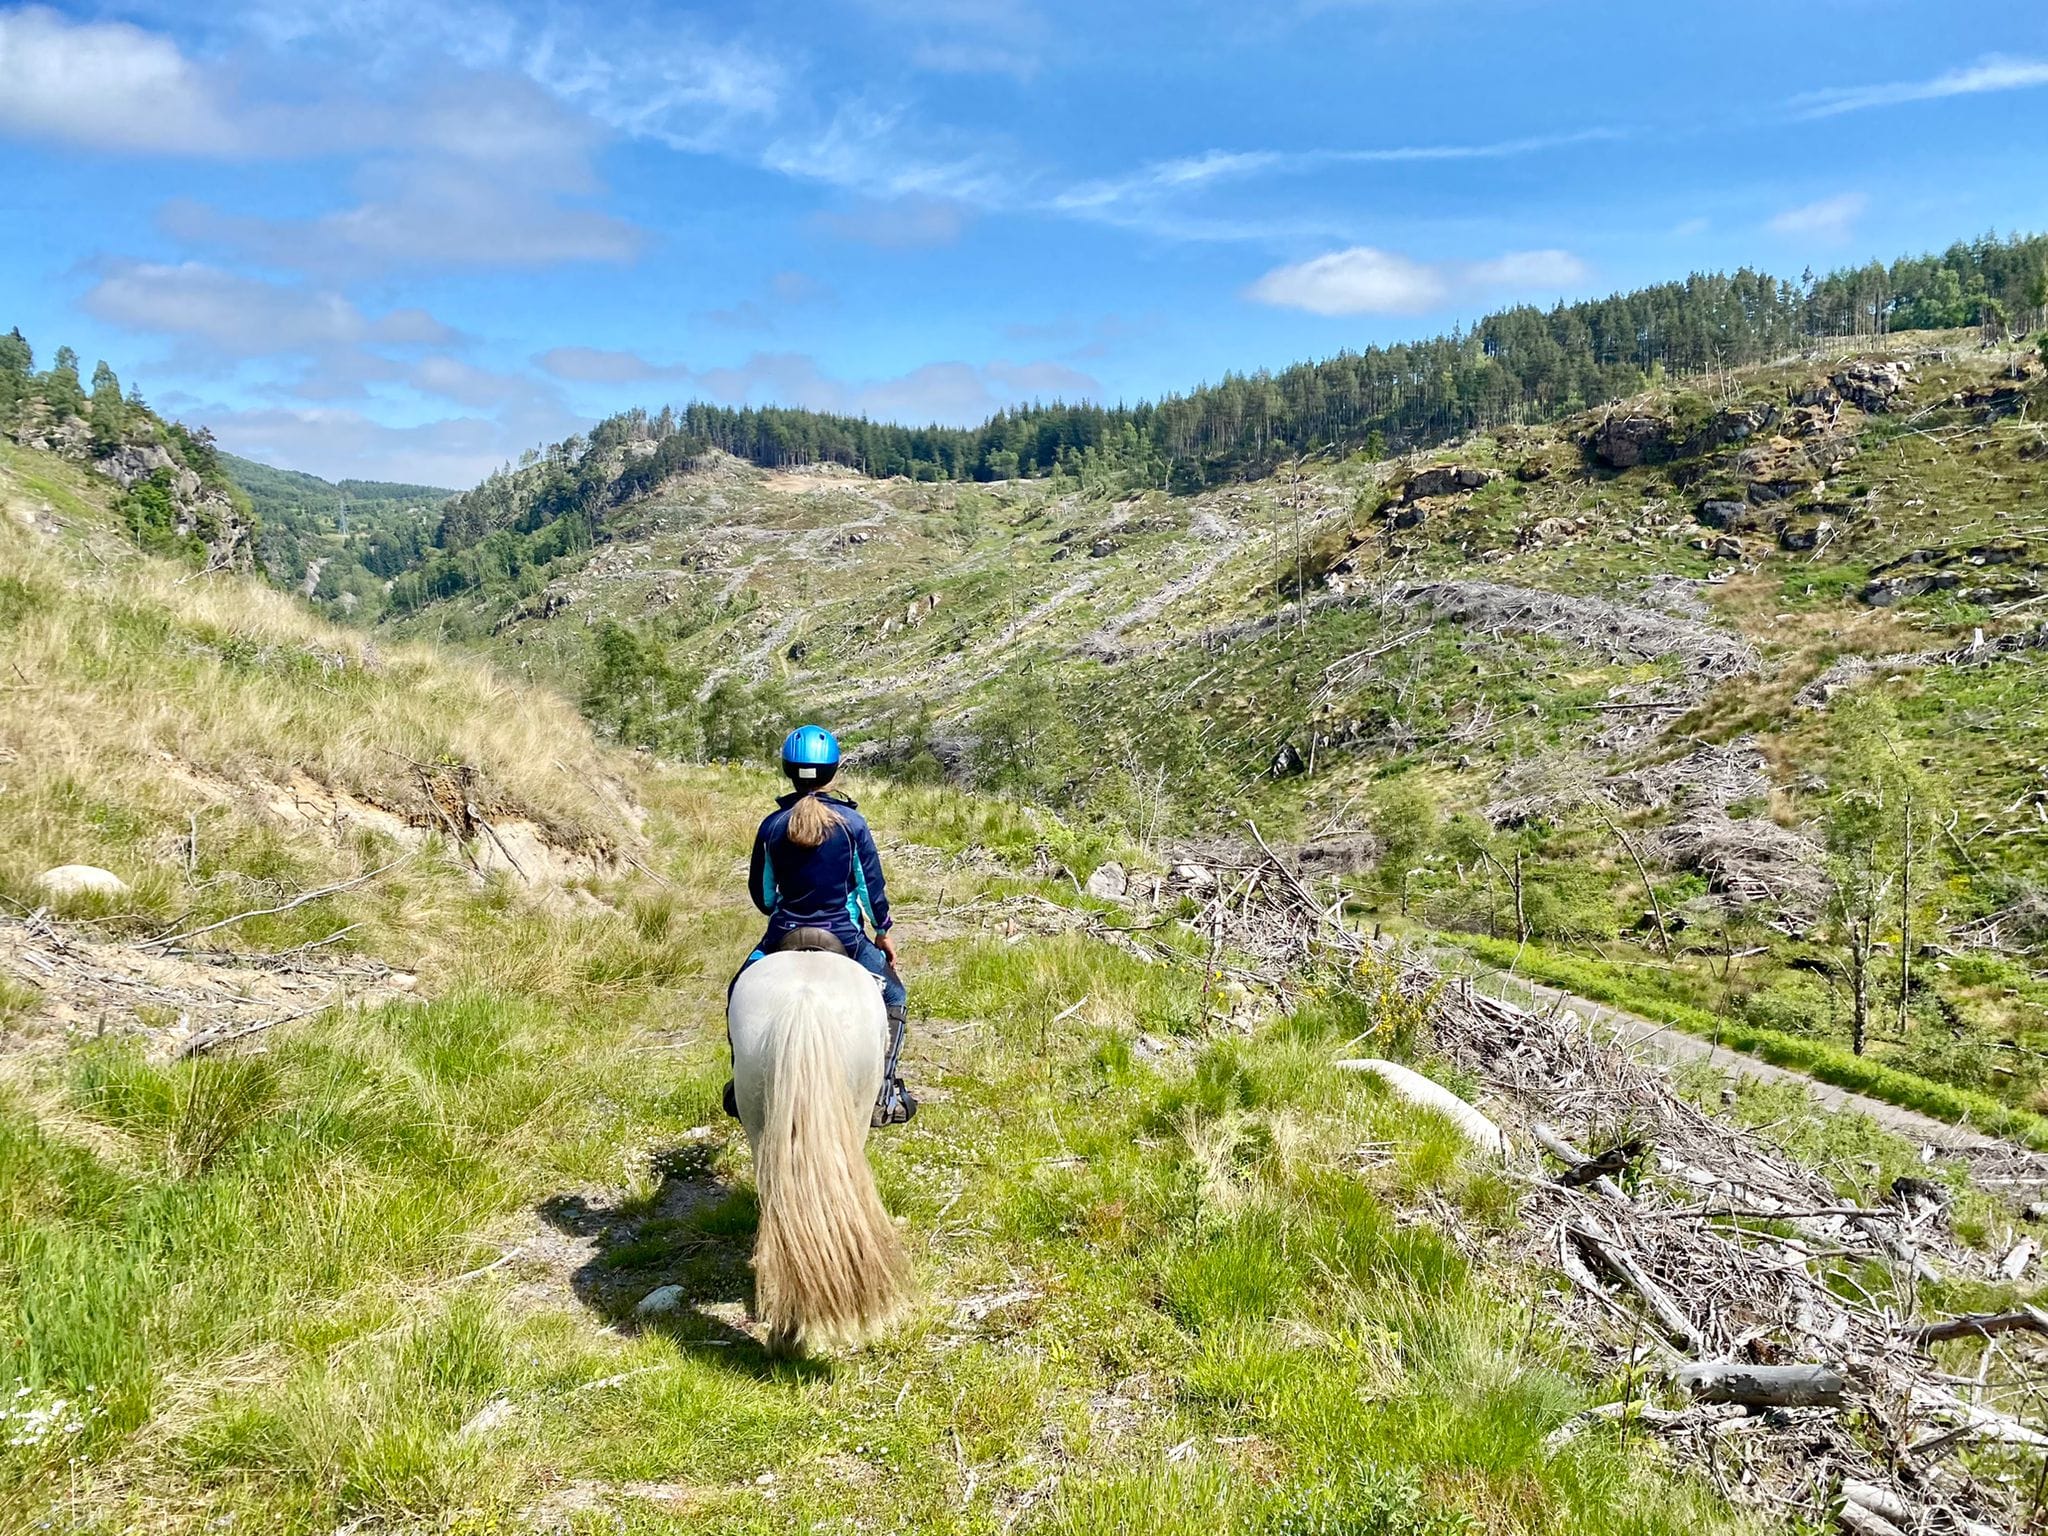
pixel 1980 1325
pixel 1407 1084
pixel 1762 1386
pixel 207 1039
pixel 297 901
pixel 1612 1256
pixel 498 1263
pixel 1573 1159
pixel 1629 1410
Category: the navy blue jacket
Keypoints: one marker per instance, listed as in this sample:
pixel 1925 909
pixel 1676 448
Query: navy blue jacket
pixel 833 885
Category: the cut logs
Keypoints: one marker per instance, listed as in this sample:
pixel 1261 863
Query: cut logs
pixel 1411 1085
pixel 1763 1386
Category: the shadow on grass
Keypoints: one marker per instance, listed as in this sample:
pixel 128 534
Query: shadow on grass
pixel 694 1232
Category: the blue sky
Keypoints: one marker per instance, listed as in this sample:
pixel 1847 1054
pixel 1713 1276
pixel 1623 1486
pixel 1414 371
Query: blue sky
pixel 408 238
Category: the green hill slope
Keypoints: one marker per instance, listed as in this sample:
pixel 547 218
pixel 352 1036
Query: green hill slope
pixel 337 543
pixel 336 1153
pixel 1609 690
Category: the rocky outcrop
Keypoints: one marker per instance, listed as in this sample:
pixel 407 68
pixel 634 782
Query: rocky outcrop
pixel 1872 386
pixel 1628 438
pixel 1446 480
pixel 138 461
pixel 1800 537
pixel 1730 424
pixel 1110 882
pixel 1778 470
pixel 1730 516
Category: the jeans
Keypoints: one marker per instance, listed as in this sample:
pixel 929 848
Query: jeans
pixel 894 994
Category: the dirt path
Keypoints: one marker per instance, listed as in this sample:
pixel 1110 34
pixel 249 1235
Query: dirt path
pixel 1990 1156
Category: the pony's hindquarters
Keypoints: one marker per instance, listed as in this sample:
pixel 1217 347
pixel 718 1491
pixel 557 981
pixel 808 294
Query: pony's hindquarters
pixel 808 1032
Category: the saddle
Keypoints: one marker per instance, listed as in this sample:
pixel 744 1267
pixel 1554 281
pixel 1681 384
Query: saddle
pixel 810 939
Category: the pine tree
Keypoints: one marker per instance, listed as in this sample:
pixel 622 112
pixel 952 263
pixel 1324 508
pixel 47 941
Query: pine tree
pixel 109 411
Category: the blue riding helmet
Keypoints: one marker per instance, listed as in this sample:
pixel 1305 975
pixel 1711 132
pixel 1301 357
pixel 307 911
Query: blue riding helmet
pixel 810 756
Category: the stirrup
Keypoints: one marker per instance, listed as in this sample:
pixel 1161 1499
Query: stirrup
pixel 894 1105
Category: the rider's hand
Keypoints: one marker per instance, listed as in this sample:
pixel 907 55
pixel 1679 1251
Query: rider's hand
pixel 887 944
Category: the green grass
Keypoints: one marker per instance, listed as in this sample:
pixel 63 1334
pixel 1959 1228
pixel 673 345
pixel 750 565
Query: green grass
pixel 1162 1288
pixel 1819 1059
pixel 245 1268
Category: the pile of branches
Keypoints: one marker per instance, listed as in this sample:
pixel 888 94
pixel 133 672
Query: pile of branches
pixel 1769 1330
pixel 1616 630
pixel 1787 1318
pixel 1752 862
pixel 1710 774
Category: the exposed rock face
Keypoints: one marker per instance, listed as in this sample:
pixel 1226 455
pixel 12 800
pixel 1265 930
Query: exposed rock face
pixel 71 880
pixel 1731 424
pixel 138 461
pixel 1730 516
pixel 1408 517
pixel 1871 386
pixel 1777 471
pixel 1625 440
pixel 1797 537
pixel 1446 480
pixel 1896 589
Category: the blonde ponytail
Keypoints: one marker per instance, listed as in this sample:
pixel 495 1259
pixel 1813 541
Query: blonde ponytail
pixel 811 821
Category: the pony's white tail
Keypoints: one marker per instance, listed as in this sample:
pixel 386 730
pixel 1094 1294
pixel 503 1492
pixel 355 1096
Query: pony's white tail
pixel 828 1266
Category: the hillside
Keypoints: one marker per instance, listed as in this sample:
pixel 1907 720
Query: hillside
pixel 337 543
pixel 360 1162
pixel 336 1152
pixel 1607 692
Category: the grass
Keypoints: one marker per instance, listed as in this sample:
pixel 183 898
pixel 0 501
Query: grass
pixel 1818 1059
pixel 248 1266
pixel 152 718
pixel 262 1289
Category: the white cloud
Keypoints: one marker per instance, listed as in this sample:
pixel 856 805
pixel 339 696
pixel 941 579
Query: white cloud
pixel 1365 281
pixel 451 378
pixel 951 393
pixel 238 316
pixel 1831 219
pixel 478 172
pixel 1359 281
pixel 876 152
pixel 105 85
pixel 1149 199
pixel 969 36
pixel 1525 271
pixel 1688 229
pixel 414 216
pixel 1994 72
pixel 656 79
pixel 602 365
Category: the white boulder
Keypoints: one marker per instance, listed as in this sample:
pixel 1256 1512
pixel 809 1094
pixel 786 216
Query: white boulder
pixel 80 880
pixel 660 1302
pixel 1110 882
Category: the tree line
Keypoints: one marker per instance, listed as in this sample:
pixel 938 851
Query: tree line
pixel 1521 364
